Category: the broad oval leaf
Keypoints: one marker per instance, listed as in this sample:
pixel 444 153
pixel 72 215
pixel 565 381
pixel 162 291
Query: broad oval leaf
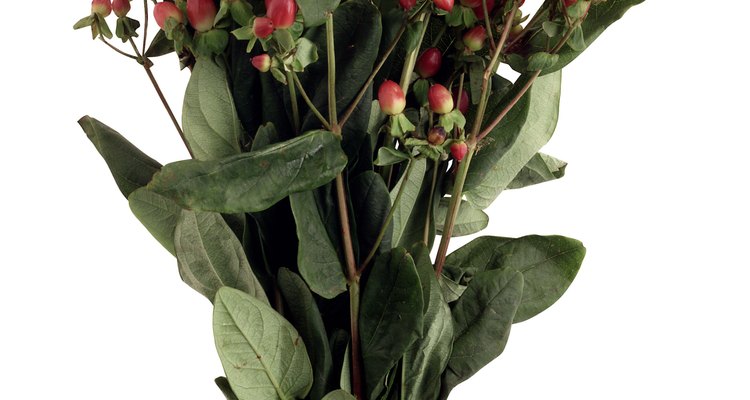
pixel 468 221
pixel 406 205
pixel 371 204
pixel 482 318
pixel 253 181
pixel 130 167
pixel 317 258
pixel 541 168
pixel 305 316
pixel 390 317
pixel 157 213
pixel 210 256
pixel 515 141
pixel 339 395
pixel 314 12
pixel 209 119
pixel 160 45
pixel 263 356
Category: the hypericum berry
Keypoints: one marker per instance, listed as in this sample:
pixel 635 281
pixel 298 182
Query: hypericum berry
pixel 570 3
pixel 282 12
pixel 463 102
pixel 446 5
pixel 165 10
pixel 428 64
pixel 479 11
pixel 263 27
pixel 201 14
pixel 436 135
pixel 475 37
pixel 391 98
pixel 441 100
pixel 101 7
pixel 471 3
pixel 262 62
pixel 459 150
pixel 121 7
pixel 515 31
pixel 407 4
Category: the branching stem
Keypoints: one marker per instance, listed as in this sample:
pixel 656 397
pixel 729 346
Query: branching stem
pixel 309 102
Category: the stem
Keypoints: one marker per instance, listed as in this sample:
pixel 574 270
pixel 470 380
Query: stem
pixel 529 25
pixel 411 58
pixel 293 100
pixel 388 220
pixel 354 315
pixel 508 107
pixel 147 67
pixel 488 25
pixel 332 114
pixel 145 25
pixel 426 237
pixel 116 49
pixel 309 102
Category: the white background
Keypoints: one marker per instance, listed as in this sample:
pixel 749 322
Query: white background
pixel 654 123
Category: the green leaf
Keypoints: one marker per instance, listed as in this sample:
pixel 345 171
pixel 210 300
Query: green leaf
pixel 510 146
pixel 541 168
pixel 370 204
pixel 541 60
pixel 225 388
pixel 210 256
pixel 552 28
pixel 413 35
pixel 263 356
pixel 425 360
pixel 314 11
pixel 253 181
pixel 339 395
pixel 266 136
pixel 160 45
pixel 318 258
pixel 130 167
pixel 157 213
pixel 577 41
pixel 242 12
pixel 210 43
pixel 482 318
pixel 408 201
pixel 549 265
pixel 305 54
pixel 305 316
pixel 390 315
pixel 389 156
pixel 468 222
pixel 84 22
pixel 209 119
pixel 103 27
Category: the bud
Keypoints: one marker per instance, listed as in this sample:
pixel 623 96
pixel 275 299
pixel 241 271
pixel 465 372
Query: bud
pixel 472 3
pixel 282 12
pixel 263 27
pixel 479 11
pixel 446 5
pixel 459 150
pixel 428 64
pixel 463 102
pixel 515 31
pixel 201 14
pixel 570 3
pixel 475 37
pixel 441 101
pixel 121 7
pixel 391 98
pixel 262 62
pixel 101 7
pixel 436 135
pixel 407 4
pixel 165 10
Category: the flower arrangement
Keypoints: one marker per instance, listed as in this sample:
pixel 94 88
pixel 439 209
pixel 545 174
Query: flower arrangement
pixel 332 143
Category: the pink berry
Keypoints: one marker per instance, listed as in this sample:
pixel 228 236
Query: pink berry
pixel 263 27
pixel 121 7
pixel 165 10
pixel 391 98
pixel 101 7
pixel 459 150
pixel 474 39
pixel 407 4
pixel 441 100
pixel 436 135
pixel 282 12
pixel 479 11
pixel 262 62
pixel 463 102
pixel 445 5
pixel 201 14
pixel 429 62
pixel 569 3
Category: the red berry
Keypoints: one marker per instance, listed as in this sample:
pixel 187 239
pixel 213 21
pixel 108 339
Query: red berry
pixel 479 11
pixel 428 64
pixel 263 27
pixel 101 7
pixel 165 10
pixel 201 14
pixel 436 135
pixel 463 103
pixel 407 4
pixel 262 62
pixel 446 5
pixel 121 7
pixel 474 39
pixel 471 3
pixel 441 100
pixel 459 150
pixel 569 3
pixel 391 98
pixel 282 12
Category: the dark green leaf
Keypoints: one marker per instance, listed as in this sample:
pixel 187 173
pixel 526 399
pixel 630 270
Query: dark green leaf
pixel 541 60
pixel 318 259
pixel 210 256
pixel 130 167
pixel 339 395
pixel 468 221
pixel 253 181
pixel 305 316
pixel 413 35
pixel 482 318
pixel 225 388
pixel 391 316
pixel 263 356
pixel 84 22
pixel 305 54
pixel 157 213
pixel 207 44
pixel 314 12
pixel 265 137
pixel 370 204
pixel 389 156
pixel 541 168
pixel 209 119
pixel 160 45
pixel 406 205
pixel 242 12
